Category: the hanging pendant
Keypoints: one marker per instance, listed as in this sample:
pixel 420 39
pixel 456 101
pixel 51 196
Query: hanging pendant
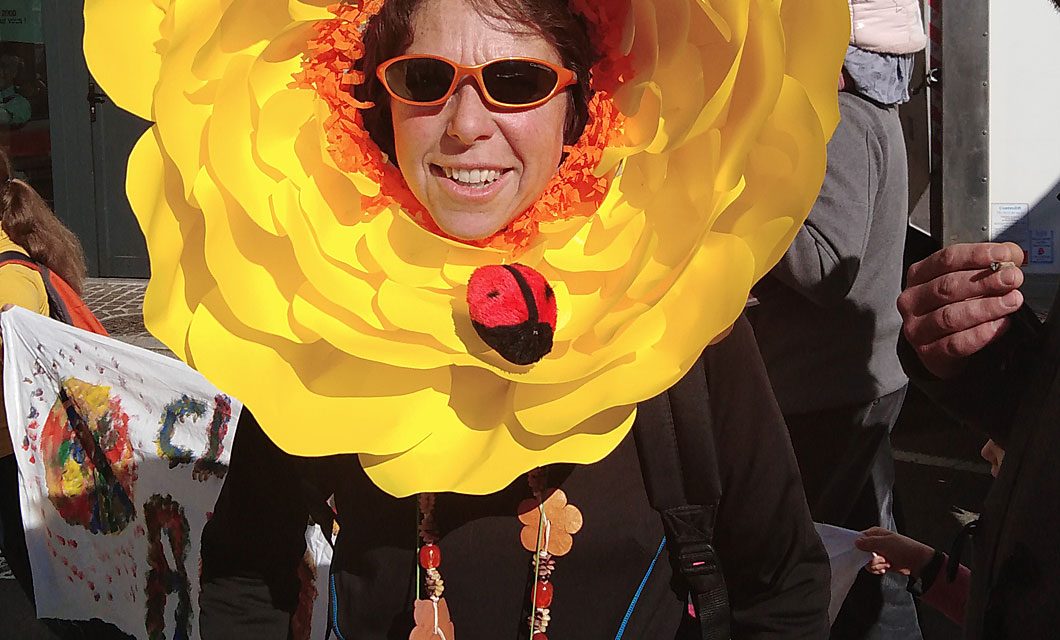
pixel 563 520
pixel 432 621
pixel 550 523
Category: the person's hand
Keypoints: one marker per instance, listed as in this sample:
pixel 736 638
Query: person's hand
pixel 893 552
pixel 955 304
pixel 994 454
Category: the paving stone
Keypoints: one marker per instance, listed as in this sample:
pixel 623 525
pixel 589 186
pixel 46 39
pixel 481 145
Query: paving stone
pixel 118 303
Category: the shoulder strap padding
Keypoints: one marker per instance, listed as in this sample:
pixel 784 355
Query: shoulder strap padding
pixel 678 457
pixel 65 306
pixel 56 305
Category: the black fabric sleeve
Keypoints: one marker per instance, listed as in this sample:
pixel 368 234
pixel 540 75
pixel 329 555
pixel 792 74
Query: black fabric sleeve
pixel 255 540
pixel 987 392
pixel 775 566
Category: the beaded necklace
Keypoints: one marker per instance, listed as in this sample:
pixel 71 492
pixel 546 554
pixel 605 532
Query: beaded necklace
pixel 549 525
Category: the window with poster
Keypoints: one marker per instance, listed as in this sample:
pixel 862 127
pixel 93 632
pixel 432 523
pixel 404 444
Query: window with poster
pixel 24 121
pixel 64 136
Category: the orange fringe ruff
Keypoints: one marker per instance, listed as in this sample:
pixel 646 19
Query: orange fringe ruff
pixel 328 69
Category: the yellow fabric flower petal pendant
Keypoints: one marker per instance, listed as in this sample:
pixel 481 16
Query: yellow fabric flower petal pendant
pixel 295 275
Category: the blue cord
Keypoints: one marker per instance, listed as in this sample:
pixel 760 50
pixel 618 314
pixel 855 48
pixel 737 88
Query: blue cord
pixel 335 610
pixel 640 589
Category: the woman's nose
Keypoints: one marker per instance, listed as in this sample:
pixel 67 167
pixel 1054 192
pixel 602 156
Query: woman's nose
pixel 470 120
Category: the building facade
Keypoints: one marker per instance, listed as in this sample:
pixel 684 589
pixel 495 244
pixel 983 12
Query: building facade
pixel 65 137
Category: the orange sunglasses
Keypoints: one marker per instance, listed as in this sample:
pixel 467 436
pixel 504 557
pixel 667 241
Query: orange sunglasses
pixel 509 83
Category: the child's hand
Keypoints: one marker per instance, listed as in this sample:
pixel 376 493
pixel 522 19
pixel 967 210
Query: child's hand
pixel 893 552
pixel 993 454
pixel 878 565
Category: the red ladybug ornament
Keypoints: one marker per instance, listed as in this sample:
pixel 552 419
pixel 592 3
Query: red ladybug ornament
pixel 513 309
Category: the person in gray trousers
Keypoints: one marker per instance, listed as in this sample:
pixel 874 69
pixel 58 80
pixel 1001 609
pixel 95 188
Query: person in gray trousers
pixel 827 327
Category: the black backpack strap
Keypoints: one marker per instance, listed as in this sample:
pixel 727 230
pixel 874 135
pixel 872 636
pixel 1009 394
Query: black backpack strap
pixel 675 444
pixel 12 256
pixel 56 305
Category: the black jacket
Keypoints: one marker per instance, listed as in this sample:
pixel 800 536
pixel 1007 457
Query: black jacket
pixel 774 564
pixel 1012 392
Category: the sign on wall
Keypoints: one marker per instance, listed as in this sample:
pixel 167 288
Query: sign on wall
pixel 20 21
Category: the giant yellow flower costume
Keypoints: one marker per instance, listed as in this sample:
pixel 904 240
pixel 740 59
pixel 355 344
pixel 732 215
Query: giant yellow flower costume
pixel 282 273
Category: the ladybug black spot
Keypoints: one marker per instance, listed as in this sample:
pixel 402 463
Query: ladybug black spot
pixel 548 293
pixel 493 294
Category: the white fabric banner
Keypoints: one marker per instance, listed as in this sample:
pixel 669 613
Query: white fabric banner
pixel 117 485
pixel 846 561
pixel 318 563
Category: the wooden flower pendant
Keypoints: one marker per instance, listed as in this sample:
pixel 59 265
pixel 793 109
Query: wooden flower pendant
pixel 566 520
pixel 427 626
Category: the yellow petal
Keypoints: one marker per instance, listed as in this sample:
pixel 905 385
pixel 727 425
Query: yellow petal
pixel 123 47
pixel 158 201
pixel 494 457
pixel 382 410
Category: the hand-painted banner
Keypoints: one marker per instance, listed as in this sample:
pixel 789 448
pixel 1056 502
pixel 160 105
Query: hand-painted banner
pixel 122 454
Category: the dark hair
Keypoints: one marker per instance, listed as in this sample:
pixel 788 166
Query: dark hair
pixel 30 223
pixel 389 34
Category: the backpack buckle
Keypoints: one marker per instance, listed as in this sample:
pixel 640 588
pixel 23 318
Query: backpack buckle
pixel 697 559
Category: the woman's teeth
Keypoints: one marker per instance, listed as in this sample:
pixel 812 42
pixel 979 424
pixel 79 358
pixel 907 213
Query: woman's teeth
pixel 472 177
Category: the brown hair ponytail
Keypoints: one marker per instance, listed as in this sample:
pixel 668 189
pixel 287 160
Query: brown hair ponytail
pixel 30 223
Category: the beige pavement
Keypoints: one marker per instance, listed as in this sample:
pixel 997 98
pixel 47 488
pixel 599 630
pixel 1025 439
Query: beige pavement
pixel 118 303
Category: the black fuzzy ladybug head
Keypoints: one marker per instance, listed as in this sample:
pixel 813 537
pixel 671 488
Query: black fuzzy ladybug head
pixel 513 309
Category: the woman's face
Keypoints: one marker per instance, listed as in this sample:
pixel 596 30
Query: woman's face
pixel 499 161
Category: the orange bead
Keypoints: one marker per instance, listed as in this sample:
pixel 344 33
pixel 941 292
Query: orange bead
pixel 430 556
pixel 544 595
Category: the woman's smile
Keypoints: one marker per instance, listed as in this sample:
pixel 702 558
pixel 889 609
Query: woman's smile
pixel 472 177
pixel 477 186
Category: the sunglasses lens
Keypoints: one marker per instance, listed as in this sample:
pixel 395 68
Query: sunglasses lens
pixel 518 82
pixel 420 79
